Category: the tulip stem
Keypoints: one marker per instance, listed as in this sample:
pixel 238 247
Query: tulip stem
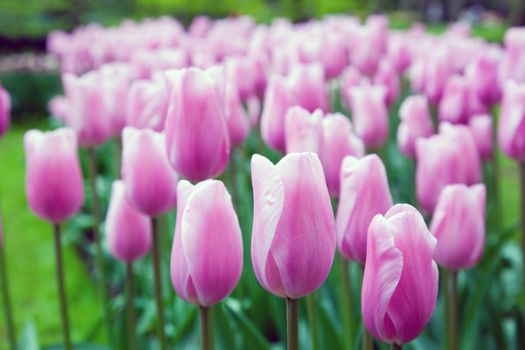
pixel 347 306
pixel 61 287
pixel 522 176
pixel 95 207
pixel 312 319
pixel 7 301
pixel 118 156
pixel 396 346
pixel 292 315
pixel 368 342
pixel 130 310
pixel 206 327
pixel 453 310
pixel 158 282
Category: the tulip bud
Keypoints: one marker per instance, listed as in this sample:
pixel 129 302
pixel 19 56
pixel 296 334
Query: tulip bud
pixel 483 75
pixel 454 104
pixel 364 193
pixel 303 130
pixel 458 224
pixel 238 121
pixel 370 114
pixel 415 123
pixel 54 186
pixel 276 103
pixel 293 236
pixel 387 75
pixel 147 105
pixel 5 110
pixel 511 128
pixel 400 281
pixel 350 78
pixel 308 87
pixel 207 253
pixel 481 128
pixel 196 132
pixel 512 67
pixel 128 232
pixel 151 182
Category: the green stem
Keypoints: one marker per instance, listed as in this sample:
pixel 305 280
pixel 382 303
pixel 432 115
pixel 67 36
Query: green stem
pixel 118 156
pixel 368 342
pixel 397 346
pixel 444 291
pixel 7 301
pixel 453 311
pixel 130 310
pixel 522 176
pixel 347 306
pixel 61 287
pixel 292 315
pixel 233 179
pixel 158 283
pixel 95 207
pixel 312 319
pixel 495 190
pixel 206 328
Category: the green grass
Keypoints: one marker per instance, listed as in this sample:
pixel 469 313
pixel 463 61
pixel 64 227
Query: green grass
pixel 30 259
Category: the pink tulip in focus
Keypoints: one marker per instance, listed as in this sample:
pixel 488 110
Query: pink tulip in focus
pixel 364 193
pixel 415 123
pixel 196 131
pixel 147 105
pixel 5 110
pixel 511 128
pixel 370 114
pixel 293 237
pixel 207 253
pixel 400 281
pixel 276 103
pixel 54 186
pixel 151 182
pixel 481 128
pixel 458 224
pixel 128 232
pixel 308 87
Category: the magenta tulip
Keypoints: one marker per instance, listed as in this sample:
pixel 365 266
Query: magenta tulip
pixel 400 281
pixel 454 104
pixel 128 232
pixel 151 182
pixel 293 236
pixel 54 186
pixel 511 128
pixel 364 193
pixel 458 224
pixel 207 253
pixel 308 87
pixel 415 123
pixel 5 110
pixel 483 75
pixel 147 105
pixel 481 128
pixel 196 131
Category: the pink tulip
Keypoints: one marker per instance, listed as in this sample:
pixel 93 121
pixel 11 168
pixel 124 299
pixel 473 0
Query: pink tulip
pixel 400 281
pixel 308 87
pixel 237 119
pixel 151 182
pixel 128 232
pixel 513 63
pixel 386 75
pixel 196 131
pixel 207 253
pixel 5 110
pixel 59 108
pixel 454 104
pixel 481 128
pixel 370 114
pixel 458 224
pixel 416 122
pixel 293 237
pixel 511 128
pixel 483 76
pixel 147 105
pixel 276 103
pixel 303 130
pixel 351 78
pixel 54 186
pixel 364 193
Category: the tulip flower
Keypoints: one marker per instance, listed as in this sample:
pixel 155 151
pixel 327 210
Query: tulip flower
pixel 400 281
pixel 350 78
pixel 308 87
pixel 196 131
pixel 237 119
pixel 512 67
pixel 415 123
pixel 303 130
pixel 370 114
pixel 483 75
pixel 54 186
pixel 481 128
pixel 147 105
pixel 454 104
pixel 386 75
pixel 151 182
pixel 458 224
pixel 276 103
pixel 511 128
pixel 364 193
pixel 5 110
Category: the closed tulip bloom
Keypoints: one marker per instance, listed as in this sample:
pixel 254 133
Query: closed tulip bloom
pixel 511 128
pixel 196 131
pixel 304 131
pixel 415 123
pixel 387 75
pixel 207 253
pixel 128 232
pixel 151 182
pixel 276 103
pixel 483 74
pixel 147 105
pixel 308 87
pixel 458 224
pixel 400 281
pixel 454 104
pixel 54 186
pixel 364 193
pixel 370 114
pixel 237 120
pixel 293 236
pixel 481 128
pixel 513 63
pixel 5 110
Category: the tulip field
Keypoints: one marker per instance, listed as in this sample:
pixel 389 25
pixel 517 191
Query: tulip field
pixel 229 184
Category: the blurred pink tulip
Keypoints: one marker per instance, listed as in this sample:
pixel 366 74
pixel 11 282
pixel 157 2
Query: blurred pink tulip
pixel 400 281
pixel 364 193
pixel 513 63
pixel 196 128
pixel 276 103
pixel 237 119
pixel 128 232
pixel 147 105
pixel 54 186
pixel 483 75
pixel 308 87
pixel 370 114
pixel 454 104
pixel 207 252
pixel 293 237
pixel 481 128
pixel 415 123
pixel 350 79
pixel 5 110
pixel 386 75
pixel 458 224
pixel 59 108
pixel 303 130
pixel 511 127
